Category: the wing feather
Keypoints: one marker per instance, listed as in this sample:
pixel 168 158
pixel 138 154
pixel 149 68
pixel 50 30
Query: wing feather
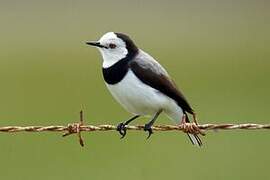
pixel 153 74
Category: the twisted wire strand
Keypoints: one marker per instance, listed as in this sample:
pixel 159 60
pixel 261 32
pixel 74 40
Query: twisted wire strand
pixel 80 127
pixel 107 127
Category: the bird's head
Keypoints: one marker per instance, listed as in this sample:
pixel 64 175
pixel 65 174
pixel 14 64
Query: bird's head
pixel 114 47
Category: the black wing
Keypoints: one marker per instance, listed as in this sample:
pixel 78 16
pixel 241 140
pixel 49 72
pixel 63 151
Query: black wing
pixel 152 74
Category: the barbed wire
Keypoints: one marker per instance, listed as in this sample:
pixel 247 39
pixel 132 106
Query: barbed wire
pixel 80 127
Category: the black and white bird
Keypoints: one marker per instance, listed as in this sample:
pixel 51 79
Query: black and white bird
pixel 140 84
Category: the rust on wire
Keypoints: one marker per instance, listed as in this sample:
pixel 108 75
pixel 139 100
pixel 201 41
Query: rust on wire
pixel 77 128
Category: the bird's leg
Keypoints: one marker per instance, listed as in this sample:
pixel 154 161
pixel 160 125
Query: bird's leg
pixel 148 126
pixel 121 128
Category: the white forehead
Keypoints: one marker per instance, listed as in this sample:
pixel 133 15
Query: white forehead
pixel 108 36
pixel 111 37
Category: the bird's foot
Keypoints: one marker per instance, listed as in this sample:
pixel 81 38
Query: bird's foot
pixel 148 128
pixel 121 128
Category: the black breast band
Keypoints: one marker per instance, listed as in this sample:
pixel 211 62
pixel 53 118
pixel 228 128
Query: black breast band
pixel 116 72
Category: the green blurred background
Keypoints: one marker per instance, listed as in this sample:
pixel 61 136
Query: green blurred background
pixel 217 52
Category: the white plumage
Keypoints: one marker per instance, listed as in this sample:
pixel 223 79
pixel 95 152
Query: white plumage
pixel 141 99
pixel 139 83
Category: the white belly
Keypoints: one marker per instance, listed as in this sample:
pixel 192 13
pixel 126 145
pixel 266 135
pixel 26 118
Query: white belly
pixel 140 99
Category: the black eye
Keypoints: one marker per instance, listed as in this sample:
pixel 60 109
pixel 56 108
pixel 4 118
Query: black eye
pixel 112 46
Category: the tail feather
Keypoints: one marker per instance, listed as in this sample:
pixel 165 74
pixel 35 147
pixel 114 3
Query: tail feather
pixel 195 140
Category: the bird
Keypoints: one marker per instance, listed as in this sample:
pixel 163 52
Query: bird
pixel 140 84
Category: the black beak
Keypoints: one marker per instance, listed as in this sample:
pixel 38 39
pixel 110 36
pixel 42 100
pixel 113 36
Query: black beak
pixel 95 43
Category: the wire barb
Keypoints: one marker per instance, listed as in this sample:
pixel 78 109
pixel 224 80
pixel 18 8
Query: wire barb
pixel 77 128
pixel 192 128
